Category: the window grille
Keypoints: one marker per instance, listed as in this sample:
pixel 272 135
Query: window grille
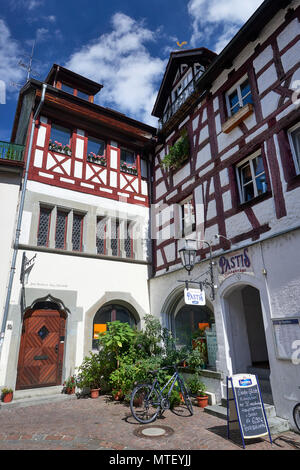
pixel 128 242
pixel 77 232
pixel 61 230
pixel 44 226
pixel 114 242
pixel 100 235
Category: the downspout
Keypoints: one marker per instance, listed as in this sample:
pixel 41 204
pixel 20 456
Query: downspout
pixel 19 222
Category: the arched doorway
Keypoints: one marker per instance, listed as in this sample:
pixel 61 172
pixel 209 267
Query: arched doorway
pixel 109 313
pixel 246 335
pixel 42 346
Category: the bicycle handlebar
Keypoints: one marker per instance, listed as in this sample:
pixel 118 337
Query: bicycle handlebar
pixel 174 366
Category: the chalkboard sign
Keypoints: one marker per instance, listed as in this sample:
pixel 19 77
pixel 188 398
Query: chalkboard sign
pixel 249 408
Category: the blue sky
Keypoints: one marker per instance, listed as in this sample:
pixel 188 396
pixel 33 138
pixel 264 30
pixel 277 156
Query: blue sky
pixel 124 45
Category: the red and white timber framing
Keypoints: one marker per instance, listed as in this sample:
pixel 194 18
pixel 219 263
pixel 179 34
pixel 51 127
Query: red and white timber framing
pixel 272 67
pixel 76 173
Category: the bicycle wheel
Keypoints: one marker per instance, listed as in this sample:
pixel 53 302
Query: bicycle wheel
pixel 186 397
pixel 296 415
pixel 144 403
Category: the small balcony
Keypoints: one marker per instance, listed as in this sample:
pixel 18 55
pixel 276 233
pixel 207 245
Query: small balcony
pixel 180 100
pixel 11 152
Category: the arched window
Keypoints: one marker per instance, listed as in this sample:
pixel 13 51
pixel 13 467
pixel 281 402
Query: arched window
pixel 189 320
pixel 109 313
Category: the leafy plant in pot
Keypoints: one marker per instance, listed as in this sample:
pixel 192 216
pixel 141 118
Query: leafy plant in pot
pixel 197 389
pixel 90 374
pixel 6 395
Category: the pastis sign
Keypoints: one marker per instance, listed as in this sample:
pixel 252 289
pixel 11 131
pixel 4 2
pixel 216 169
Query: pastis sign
pixel 194 296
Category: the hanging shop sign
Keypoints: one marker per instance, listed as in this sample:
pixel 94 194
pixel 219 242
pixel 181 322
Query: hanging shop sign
pixel 237 263
pixel 245 407
pixel 194 296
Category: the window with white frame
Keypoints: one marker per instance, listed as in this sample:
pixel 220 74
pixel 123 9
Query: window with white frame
pixel 238 96
pixel 187 214
pixel 251 177
pixel 294 138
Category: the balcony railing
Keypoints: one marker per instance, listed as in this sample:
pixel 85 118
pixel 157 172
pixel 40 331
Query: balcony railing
pixel 11 152
pixel 186 92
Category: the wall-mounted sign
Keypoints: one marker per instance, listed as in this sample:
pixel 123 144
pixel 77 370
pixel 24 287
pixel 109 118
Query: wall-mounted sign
pixel 99 328
pixel 194 297
pixel 287 334
pixel 237 263
pixel 248 410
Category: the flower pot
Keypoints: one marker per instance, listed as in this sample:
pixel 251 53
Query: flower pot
pixel 181 397
pixel 7 397
pixel 118 395
pixel 202 401
pixel 95 392
pixel 71 391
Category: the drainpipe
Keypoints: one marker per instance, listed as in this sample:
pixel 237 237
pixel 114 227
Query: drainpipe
pixel 19 222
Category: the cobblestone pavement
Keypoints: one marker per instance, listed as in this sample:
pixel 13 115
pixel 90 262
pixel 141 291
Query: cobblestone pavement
pixel 95 424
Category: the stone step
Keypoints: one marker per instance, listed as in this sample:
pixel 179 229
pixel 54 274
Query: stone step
pixel 37 396
pixel 269 409
pixel 277 425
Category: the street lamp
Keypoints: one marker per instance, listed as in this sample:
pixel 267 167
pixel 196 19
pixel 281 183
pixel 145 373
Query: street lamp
pixel 188 258
pixel 188 255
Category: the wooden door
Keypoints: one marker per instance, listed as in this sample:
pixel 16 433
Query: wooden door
pixel 41 350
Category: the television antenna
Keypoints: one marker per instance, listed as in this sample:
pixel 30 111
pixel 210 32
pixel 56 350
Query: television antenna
pixel 27 67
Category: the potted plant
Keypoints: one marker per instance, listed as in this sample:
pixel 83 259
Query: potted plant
pixel 69 385
pixel 178 153
pixel 7 395
pixel 197 389
pixel 90 374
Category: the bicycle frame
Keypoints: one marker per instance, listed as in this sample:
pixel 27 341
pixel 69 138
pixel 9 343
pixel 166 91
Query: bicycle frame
pixel 173 379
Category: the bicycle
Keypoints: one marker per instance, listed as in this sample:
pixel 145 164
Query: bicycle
pixel 147 401
pixel 296 415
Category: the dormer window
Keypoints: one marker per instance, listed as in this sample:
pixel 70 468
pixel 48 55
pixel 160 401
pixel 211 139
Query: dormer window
pixel 82 95
pixel 67 88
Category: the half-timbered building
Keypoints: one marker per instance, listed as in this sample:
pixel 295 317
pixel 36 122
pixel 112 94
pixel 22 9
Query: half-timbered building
pixel 226 174
pixel 85 217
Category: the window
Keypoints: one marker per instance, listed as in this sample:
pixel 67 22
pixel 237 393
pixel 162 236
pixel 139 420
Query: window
pixel 67 88
pixel 189 320
pixel 77 232
pixel 187 214
pixel 61 229
pixel 127 156
pixel 82 95
pixel 95 147
pixel 251 177
pixel 114 239
pixel 60 135
pixel 101 235
pixel 107 314
pixel 294 138
pixel 44 227
pixel 238 97
pixel 128 241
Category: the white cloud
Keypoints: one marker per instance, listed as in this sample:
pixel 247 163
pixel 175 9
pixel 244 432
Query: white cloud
pixel 28 4
pixel 9 58
pixel 122 63
pixel 208 16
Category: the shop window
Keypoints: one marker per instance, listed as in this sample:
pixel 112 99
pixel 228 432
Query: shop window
pixel 77 232
pixel 189 321
pixel 251 177
pixel 107 314
pixel 294 138
pixel 238 96
pixel 44 226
